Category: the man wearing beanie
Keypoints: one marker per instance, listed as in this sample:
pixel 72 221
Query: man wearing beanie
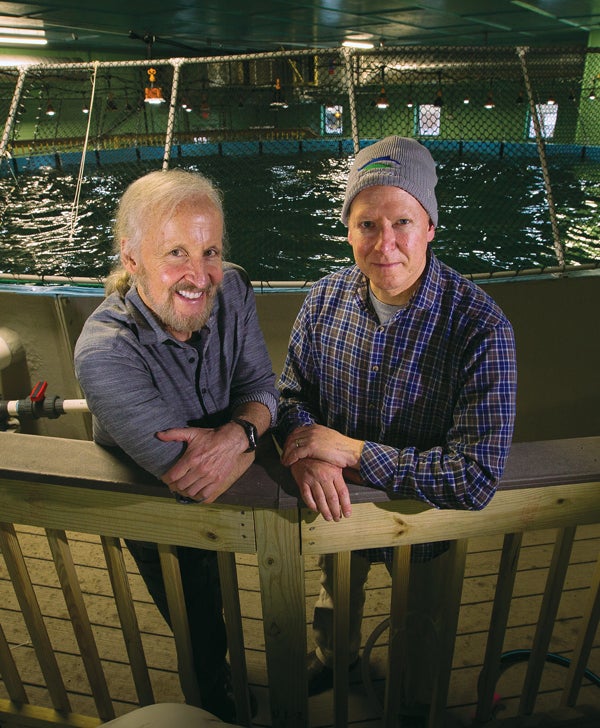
pixel 400 375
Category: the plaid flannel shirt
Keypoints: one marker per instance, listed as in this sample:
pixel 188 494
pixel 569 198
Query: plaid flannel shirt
pixel 431 391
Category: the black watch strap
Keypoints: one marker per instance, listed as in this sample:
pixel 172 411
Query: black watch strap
pixel 251 432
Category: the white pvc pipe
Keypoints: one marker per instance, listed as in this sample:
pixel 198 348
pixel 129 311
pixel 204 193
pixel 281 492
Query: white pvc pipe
pixel 68 405
pixel 75 405
pixel 11 349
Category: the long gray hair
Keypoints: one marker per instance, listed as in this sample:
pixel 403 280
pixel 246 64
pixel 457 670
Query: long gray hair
pixel 148 200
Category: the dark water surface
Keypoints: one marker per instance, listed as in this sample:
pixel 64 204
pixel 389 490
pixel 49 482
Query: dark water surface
pixel 282 215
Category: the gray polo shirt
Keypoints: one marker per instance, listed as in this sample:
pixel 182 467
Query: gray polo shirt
pixel 138 380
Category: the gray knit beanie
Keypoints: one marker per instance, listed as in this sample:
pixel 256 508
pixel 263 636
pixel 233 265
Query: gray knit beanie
pixel 399 162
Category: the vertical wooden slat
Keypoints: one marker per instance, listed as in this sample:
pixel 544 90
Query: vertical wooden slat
pixel 65 568
pixel 341 630
pixel 10 673
pixel 585 640
pixel 281 573
pixel 235 635
pixel 505 584
pixel 545 625
pixel 456 566
pixel 397 634
pixel 179 622
pixel 32 615
pixel 117 572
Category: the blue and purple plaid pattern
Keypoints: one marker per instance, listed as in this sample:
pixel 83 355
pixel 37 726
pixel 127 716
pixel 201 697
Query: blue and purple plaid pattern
pixel 432 391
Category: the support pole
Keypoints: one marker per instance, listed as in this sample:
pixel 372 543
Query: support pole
pixel 558 246
pixel 172 107
pixel 12 113
pixel 347 56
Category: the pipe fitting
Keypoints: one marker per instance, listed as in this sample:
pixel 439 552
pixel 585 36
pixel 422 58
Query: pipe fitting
pixel 11 348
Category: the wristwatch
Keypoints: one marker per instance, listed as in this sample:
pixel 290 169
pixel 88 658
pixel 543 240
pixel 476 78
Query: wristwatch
pixel 250 431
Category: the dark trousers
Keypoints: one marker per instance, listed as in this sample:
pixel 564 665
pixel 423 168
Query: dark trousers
pixel 202 592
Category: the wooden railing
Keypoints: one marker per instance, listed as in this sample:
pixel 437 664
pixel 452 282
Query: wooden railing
pixel 67 485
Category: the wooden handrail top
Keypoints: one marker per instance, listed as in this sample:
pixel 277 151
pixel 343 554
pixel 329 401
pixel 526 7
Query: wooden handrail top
pixel 267 484
pixel 53 460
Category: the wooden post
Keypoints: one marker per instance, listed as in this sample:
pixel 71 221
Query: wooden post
pixel 281 573
pixel 341 630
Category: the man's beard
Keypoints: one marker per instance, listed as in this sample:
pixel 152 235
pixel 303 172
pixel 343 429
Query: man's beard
pixel 167 314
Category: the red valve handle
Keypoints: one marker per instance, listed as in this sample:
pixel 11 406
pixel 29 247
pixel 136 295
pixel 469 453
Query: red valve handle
pixel 38 392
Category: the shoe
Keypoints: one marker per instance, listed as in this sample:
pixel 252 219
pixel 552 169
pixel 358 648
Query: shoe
pixel 222 705
pixel 320 677
pixel 219 699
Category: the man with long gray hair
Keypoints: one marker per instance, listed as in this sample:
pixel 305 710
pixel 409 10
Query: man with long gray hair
pixel 176 373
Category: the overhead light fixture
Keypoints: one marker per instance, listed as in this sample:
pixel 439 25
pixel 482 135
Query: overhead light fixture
pixel 18 40
pixel 489 99
pixel 278 101
pixel 364 44
pixel 466 100
pixel 50 110
pixel 551 101
pixel 153 94
pixel 22 36
pixel 382 101
pixel 85 109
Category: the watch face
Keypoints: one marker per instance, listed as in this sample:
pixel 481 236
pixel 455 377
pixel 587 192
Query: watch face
pixel 252 436
pixel 251 432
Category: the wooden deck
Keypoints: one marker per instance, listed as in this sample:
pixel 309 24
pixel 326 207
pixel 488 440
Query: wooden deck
pixel 364 710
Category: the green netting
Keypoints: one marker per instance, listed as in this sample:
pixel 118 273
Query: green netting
pixel 515 133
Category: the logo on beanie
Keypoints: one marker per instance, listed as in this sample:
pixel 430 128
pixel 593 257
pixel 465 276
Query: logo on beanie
pixel 379 163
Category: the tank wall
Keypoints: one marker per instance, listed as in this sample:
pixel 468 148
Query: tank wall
pixel 557 330
pixel 555 320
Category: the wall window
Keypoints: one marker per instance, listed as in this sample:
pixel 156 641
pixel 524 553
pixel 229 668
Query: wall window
pixel 429 119
pixel 331 119
pixel 547 114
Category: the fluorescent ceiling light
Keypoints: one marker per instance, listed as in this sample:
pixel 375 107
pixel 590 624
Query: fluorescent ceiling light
pixel 21 40
pixel 22 36
pixel 349 43
pixel 5 30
